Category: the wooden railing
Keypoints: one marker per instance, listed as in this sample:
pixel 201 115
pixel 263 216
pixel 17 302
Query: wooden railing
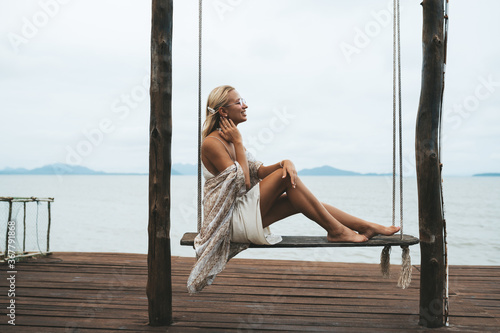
pixel 14 227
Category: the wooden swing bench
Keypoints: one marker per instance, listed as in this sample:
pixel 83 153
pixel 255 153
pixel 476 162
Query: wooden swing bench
pixel 403 241
pixel 321 241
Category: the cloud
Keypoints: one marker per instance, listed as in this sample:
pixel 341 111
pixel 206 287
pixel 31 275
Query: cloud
pixel 89 56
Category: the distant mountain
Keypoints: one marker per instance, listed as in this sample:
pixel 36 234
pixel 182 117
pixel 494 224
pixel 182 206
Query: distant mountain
pixel 192 169
pixel 178 169
pixel 12 171
pixel 184 169
pixel 327 170
pixel 487 175
pixel 59 169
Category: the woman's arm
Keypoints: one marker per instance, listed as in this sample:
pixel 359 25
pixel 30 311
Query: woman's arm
pixel 265 171
pixel 287 166
pixel 241 157
pixel 231 134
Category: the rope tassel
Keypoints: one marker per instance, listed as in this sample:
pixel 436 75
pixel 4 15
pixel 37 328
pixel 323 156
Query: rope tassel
pixel 405 275
pixel 385 261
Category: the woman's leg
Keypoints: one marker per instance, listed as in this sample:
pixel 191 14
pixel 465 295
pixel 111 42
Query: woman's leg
pixel 369 229
pixel 283 208
pixel 299 199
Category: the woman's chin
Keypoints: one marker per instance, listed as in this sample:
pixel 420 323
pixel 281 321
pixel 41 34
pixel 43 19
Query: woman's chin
pixel 242 120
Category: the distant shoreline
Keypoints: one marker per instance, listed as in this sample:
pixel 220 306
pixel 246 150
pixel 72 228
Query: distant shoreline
pixel 194 175
pixel 60 169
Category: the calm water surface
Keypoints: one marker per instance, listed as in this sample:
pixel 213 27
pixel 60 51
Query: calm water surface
pixel 110 214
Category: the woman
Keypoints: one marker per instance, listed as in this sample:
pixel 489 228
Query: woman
pixel 242 197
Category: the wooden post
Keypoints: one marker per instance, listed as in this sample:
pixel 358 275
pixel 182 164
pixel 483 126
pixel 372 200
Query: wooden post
pixel 431 222
pixel 159 285
pixel 48 225
pixel 24 228
pixel 6 253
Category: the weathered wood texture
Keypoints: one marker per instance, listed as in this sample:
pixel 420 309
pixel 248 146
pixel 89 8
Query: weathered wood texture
pixel 159 286
pixel 432 283
pixel 104 292
pixel 318 241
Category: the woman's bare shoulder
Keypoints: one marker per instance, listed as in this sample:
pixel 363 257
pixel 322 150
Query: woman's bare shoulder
pixel 213 144
pixel 214 152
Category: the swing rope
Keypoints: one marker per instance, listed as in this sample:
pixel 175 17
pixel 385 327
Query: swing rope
pixel 405 274
pixel 200 16
pixel 396 101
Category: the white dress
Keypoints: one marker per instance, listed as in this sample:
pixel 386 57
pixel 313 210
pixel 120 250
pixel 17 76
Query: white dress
pixel 246 219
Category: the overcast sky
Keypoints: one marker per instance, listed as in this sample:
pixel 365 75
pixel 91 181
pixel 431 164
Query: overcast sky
pixel 317 77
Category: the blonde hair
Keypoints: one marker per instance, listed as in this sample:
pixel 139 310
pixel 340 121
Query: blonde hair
pixel 216 99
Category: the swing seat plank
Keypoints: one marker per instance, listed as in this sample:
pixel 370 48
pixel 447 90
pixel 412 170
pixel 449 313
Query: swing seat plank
pixel 321 241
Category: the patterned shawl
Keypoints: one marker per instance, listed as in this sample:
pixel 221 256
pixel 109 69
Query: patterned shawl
pixel 213 244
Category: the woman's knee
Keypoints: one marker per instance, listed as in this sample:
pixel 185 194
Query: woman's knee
pixel 283 183
pixel 286 180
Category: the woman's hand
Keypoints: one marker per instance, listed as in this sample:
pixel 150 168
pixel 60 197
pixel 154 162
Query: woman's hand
pixel 229 131
pixel 289 168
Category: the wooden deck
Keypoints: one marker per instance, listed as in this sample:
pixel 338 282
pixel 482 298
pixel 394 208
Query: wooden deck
pixel 97 292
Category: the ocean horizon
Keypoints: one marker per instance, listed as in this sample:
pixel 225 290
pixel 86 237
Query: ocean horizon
pixel 186 169
pixel 105 213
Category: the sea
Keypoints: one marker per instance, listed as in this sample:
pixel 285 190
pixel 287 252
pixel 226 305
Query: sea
pixel 109 213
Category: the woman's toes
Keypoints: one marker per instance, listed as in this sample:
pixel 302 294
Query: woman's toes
pixel 393 230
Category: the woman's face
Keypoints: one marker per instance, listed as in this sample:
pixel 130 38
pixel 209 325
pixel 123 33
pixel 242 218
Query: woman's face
pixel 235 109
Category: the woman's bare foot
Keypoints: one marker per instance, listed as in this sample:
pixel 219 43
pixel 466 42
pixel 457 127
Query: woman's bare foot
pixel 347 235
pixel 374 229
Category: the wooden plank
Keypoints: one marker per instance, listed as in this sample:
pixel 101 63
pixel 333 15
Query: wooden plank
pixel 322 241
pixel 249 295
